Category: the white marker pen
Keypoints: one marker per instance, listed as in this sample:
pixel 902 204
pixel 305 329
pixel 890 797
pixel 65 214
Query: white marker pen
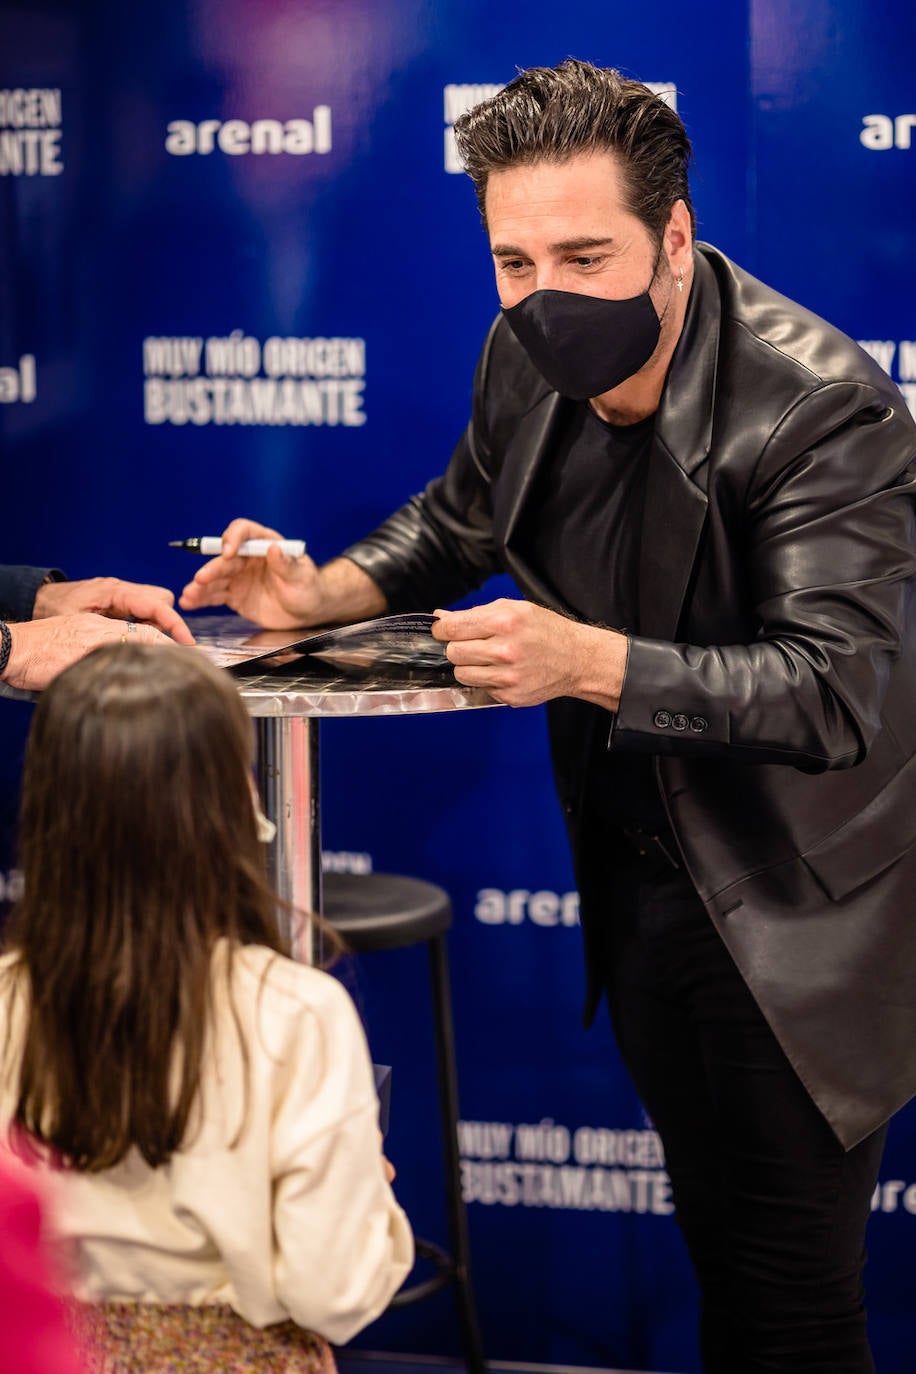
pixel 211 545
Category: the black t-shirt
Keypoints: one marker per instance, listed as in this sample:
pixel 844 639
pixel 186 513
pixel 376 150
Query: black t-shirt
pixel 581 533
pixel 582 523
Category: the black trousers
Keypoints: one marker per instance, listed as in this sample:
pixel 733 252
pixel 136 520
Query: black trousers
pixel 772 1208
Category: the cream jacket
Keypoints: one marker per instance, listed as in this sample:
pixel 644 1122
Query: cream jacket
pixel 296 1219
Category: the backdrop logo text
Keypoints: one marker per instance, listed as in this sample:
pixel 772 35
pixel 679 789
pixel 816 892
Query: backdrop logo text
pixel 18 383
pixel 30 133
pixel 544 908
pixel 457 99
pixel 880 132
pixel 236 137
pixel 544 1164
pixel 237 380
pixel 898 358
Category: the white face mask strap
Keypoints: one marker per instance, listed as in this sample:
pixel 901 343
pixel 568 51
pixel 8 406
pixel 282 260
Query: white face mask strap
pixel 267 830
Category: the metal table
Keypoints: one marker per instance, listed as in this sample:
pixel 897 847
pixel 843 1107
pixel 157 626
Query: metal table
pixel 287 703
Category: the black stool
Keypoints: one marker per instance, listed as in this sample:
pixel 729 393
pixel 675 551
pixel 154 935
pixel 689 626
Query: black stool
pixel 383 911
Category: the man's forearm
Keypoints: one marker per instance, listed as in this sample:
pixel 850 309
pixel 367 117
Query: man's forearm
pixel 600 666
pixel 347 593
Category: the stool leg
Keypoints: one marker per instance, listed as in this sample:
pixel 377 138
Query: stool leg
pixel 448 1109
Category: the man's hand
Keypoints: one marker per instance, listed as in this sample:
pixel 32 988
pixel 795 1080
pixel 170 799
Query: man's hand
pixel 109 596
pixel 523 654
pixel 43 648
pixel 278 592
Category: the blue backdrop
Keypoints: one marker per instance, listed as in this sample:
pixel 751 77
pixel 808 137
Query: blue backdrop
pixel 204 203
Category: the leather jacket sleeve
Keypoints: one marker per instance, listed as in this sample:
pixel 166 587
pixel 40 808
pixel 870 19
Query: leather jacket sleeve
pixel 439 546
pixel 830 560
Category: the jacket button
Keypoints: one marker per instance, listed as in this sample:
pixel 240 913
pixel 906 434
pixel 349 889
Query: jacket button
pixel 662 719
pixel 698 724
pixel 680 721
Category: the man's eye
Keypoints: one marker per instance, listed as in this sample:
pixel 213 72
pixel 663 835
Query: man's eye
pixel 582 261
pixel 513 265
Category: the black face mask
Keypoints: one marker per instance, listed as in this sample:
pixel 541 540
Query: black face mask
pixel 586 345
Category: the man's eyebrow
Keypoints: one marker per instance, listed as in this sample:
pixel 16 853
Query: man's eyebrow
pixel 509 250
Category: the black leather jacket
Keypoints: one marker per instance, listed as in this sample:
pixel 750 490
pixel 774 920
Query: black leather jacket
pixel 774 677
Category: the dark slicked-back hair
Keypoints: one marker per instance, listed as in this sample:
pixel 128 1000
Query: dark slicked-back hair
pixel 552 114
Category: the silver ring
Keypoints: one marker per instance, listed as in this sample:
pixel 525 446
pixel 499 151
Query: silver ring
pixel 131 626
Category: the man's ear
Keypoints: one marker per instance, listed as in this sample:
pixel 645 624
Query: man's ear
pixel 678 239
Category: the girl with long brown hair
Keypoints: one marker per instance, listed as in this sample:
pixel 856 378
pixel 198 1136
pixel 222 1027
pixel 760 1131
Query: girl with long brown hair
pixel 211 1102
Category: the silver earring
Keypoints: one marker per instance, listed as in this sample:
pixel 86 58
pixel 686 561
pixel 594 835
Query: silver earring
pixel 680 280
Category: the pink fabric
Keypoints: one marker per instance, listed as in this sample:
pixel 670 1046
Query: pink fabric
pixel 35 1334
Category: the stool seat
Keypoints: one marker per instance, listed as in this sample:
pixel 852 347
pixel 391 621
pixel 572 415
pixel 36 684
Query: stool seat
pixel 384 910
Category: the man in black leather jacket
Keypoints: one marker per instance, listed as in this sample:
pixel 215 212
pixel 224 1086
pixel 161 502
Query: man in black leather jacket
pixel 706 495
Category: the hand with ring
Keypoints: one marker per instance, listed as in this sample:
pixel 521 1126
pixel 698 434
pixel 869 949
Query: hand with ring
pixel 110 596
pixel 40 649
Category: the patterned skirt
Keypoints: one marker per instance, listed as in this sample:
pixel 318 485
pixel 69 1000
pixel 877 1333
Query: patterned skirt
pixel 153 1338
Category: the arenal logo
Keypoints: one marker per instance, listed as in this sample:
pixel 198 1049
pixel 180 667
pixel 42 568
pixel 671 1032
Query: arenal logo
pixel 494 907
pixel 880 132
pixel 237 137
pixel 18 383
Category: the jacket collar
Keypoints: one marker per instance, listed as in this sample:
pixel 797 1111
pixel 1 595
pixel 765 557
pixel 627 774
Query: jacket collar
pixel 675 509
pixel 683 425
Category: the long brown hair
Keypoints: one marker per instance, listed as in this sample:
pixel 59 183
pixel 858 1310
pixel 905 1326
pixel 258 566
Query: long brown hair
pixel 139 851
